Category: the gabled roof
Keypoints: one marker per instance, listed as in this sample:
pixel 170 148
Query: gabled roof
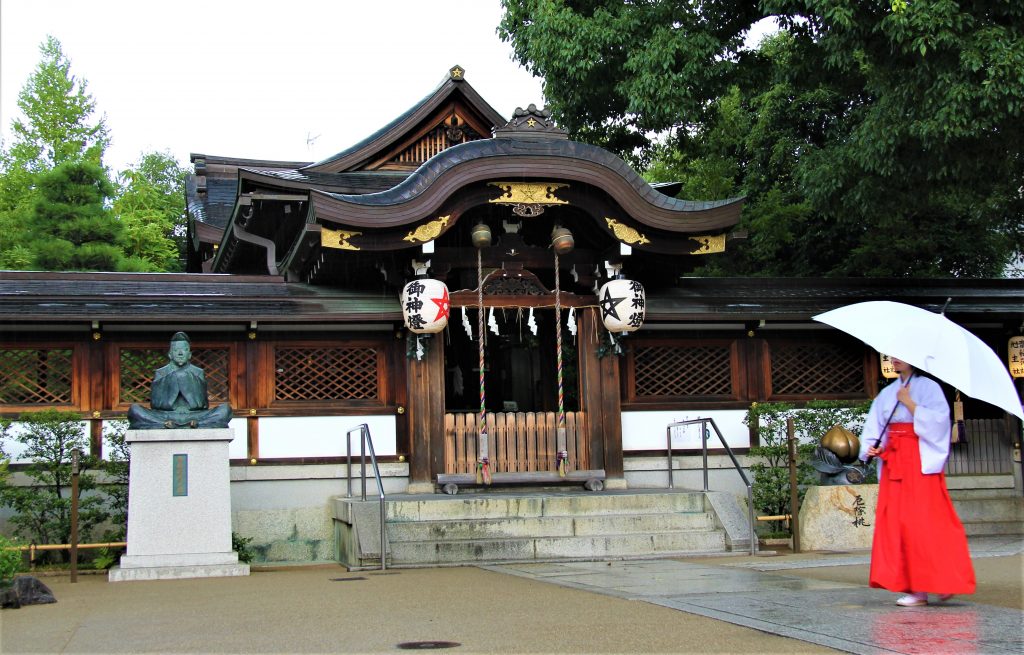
pixel 454 87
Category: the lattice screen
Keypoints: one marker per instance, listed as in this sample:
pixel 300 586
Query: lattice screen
pixel 325 374
pixel 35 376
pixel 815 369
pixel 139 364
pixel 683 371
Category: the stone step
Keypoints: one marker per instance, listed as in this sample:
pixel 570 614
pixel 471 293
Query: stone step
pixel 958 494
pixel 493 506
pixel 433 530
pixel 479 551
pixel 989 509
pixel 546 526
pixel 982 528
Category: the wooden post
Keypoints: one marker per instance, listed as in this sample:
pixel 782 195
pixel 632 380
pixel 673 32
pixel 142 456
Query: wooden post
pixel 75 453
pixel 794 498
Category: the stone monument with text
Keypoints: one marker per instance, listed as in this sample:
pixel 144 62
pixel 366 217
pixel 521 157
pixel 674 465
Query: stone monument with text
pixel 179 496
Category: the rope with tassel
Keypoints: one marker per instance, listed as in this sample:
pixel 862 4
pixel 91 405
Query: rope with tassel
pixel 483 468
pixel 561 460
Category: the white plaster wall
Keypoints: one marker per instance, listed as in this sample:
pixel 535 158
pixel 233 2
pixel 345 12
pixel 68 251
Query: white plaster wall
pixel 237 449
pixel 647 430
pixel 323 436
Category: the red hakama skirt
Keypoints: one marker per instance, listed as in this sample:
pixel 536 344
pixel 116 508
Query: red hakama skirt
pixel 919 543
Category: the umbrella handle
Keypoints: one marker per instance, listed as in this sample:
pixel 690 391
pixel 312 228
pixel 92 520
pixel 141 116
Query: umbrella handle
pixel 887 421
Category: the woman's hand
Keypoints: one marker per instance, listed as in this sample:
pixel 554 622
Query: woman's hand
pixel 903 395
pixel 873 451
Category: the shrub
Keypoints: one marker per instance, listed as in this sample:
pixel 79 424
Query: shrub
pixel 11 561
pixel 240 545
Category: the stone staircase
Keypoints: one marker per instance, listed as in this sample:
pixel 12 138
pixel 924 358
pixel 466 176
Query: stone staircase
pixel 489 527
pixel 987 504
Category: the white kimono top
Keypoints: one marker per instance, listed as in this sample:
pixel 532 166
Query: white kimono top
pixel 930 419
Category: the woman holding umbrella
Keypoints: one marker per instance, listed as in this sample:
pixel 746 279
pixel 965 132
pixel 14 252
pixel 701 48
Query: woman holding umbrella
pixel 919 545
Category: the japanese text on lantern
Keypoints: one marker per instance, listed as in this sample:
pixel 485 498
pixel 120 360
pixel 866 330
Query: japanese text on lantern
pixel 1016 357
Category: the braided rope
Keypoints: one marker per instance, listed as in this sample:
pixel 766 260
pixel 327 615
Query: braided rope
pixel 483 475
pixel 563 455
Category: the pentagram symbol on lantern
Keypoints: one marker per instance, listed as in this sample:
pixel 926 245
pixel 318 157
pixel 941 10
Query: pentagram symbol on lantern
pixel 608 304
pixel 443 306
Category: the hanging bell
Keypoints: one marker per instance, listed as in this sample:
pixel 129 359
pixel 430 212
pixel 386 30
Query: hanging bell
pixel 562 241
pixel 481 235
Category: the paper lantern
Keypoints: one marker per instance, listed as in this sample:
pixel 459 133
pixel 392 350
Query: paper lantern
pixel 888 372
pixel 622 303
pixel 425 305
pixel 1015 355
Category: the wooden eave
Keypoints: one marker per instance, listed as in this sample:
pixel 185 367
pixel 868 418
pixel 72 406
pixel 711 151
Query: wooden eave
pixel 799 299
pixel 424 192
pixel 158 298
pixel 387 138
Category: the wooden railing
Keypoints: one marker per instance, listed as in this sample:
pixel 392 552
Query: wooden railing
pixel 517 441
pixel 987 450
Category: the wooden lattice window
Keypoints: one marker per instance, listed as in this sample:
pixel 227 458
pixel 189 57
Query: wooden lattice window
pixel 681 371
pixel 815 369
pixel 326 373
pixel 36 376
pixel 137 366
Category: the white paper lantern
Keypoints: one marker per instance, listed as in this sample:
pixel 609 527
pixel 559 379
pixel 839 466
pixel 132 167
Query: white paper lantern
pixel 425 305
pixel 623 304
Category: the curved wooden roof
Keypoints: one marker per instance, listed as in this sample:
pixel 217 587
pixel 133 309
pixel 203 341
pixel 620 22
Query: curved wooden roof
pixel 423 192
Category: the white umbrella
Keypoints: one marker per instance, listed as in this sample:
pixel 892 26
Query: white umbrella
pixel 932 343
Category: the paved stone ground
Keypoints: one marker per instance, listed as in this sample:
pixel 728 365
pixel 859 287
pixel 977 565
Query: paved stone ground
pixel 738 604
pixel 762 593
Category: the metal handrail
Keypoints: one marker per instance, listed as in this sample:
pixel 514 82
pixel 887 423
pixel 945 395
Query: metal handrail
pixel 364 441
pixel 705 433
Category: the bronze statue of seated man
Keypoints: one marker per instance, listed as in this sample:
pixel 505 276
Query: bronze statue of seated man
pixel 179 396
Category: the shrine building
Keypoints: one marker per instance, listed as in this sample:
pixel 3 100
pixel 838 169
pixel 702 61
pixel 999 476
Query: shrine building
pixel 490 298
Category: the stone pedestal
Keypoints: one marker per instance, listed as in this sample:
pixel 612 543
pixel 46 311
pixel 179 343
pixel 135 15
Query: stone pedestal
pixel 838 517
pixel 179 506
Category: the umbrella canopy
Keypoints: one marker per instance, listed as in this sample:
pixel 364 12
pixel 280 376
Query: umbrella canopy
pixel 932 343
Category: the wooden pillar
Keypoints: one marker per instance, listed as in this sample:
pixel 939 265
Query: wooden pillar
pixel 601 397
pixel 425 384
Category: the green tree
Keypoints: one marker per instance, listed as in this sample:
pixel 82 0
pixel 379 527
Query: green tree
pixel 72 227
pixel 57 126
pixel 42 509
pixel 150 204
pixel 885 137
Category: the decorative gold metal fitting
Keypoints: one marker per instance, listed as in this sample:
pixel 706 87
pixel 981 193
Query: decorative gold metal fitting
pixel 427 231
pixel 337 239
pixel 400 410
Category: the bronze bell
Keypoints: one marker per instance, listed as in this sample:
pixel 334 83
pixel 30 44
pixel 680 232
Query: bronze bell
pixel 842 442
pixel 481 235
pixel 562 241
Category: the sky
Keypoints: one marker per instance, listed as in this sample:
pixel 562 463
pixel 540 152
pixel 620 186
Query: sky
pixel 293 80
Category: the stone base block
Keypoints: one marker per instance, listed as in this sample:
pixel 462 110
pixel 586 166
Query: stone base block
pixel 118 574
pixel 838 517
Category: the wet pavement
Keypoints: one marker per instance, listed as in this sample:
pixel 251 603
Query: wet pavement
pixel 756 592
pixel 802 603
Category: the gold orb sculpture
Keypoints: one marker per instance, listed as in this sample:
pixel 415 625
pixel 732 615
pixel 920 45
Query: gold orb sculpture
pixel 842 442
